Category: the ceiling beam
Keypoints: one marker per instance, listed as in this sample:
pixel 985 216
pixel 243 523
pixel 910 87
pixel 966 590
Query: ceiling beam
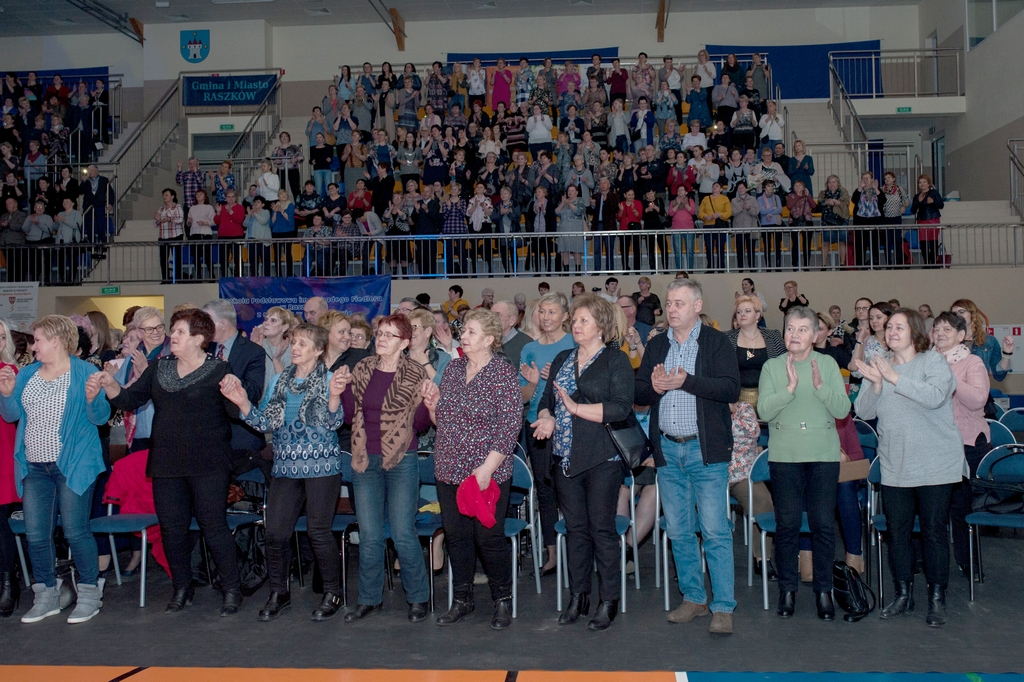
pixel 117 21
pixel 398 26
pixel 662 16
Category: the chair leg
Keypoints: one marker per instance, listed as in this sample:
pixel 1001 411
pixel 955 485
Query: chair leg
pixel 622 570
pixel 113 558
pixel 970 553
pixel 558 570
pixel 664 568
pixel 515 577
pixel 430 580
pixel 536 555
pixel 636 559
pixel 878 548
pixel 764 569
pixel 656 532
pixel 142 579
pixel 749 524
pixel 344 568
pixel 451 584
pixel 24 564
pixel 981 568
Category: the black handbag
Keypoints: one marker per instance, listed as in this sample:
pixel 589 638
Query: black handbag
pixel 851 592
pixel 998 497
pixel 630 441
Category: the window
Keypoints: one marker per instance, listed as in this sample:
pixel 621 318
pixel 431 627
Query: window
pixel 984 17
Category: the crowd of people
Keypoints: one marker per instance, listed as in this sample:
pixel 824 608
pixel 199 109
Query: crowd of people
pixel 350 401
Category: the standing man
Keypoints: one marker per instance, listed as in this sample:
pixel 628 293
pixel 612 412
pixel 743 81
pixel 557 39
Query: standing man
pixel 688 377
pixel 512 340
pixel 248 362
pixel 98 195
pixel 191 180
pixel 603 206
pixel 313 309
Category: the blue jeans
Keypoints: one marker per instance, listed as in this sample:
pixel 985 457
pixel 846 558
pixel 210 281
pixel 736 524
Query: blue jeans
pixel 322 178
pixel 389 498
pixel 677 244
pixel 609 248
pixel 46 494
pixel 695 497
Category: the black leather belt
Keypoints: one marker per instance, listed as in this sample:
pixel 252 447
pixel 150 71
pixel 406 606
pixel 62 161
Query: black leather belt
pixel 680 439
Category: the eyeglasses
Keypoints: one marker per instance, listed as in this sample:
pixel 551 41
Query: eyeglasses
pixel 416 327
pixel 387 335
pixel 862 307
pixel 153 330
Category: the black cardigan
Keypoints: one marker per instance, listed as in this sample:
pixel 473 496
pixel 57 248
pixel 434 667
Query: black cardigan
pixel 715 382
pixel 608 381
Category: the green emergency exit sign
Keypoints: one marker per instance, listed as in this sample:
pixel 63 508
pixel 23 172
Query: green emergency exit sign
pixel 227 126
pixel 111 291
pixel 899 110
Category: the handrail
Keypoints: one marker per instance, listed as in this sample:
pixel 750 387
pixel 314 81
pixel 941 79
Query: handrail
pixel 245 137
pixel 925 72
pixel 856 132
pixel 1015 146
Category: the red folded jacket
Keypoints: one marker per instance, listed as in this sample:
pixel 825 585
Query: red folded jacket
pixel 480 504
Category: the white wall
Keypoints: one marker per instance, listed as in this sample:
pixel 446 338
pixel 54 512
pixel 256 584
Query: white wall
pixel 118 52
pixel 314 52
pixel 943 17
pixel 233 45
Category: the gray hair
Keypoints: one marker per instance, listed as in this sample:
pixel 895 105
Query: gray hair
pixel 693 285
pixel 520 297
pixel 219 309
pixel 803 313
pixel 508 304
pixel 144 313
pixel 555 297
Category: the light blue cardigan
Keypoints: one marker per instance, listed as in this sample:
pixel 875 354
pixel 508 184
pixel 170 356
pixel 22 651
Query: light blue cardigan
pixel 81 460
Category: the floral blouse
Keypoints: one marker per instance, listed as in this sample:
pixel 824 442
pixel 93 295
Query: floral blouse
pixel 525 83
pixel 476 418
pixel 561 440
pixel 745 432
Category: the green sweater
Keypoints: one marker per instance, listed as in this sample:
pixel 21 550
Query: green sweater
pixel 802 425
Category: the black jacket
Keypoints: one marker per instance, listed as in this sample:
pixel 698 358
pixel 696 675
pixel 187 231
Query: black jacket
pixel 607 218
pixel 248 362
pixel 609 381
pixel 716 383
pixel 427 219
pixel 550 219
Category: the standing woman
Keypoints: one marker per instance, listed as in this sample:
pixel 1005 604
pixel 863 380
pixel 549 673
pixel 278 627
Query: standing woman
pixel 927 207
pixel 478 414
pixel 190 454
pixel 169 221
pixel 340 352
pixel 10 590
pixel 754 345
pixel 870 338
pixel 866 212
pixel 288 158
pixel 274 336
pixel 282 226
pixel 200 220
pixel 921 453
pixel 894 203
pixel 552 312
pixel 801 395
pixel 834 202
pixel 302 409
pixel 384 405
pixel 801 166
pixel 57 458
pixel 996 355
pixel 589 386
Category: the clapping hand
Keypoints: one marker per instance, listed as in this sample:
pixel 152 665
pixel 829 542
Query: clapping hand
pixel 546 372
pixel 885 369
pixel 571 405
pixel 7 381
pixel 431 394
pixel 816 375
pixel 791 376
pixel 664 381
pixel 869 372
pixel 530 373
pixel 139 361
pixel 543 428
pixel 257 334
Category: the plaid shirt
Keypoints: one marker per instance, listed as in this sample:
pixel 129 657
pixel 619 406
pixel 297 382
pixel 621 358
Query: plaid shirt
pixel 678 416
pixel 191 181
pixel 454 217
pixel 171 221
pixel 437 93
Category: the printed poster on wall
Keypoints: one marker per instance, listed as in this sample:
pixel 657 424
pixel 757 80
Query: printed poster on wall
pixel 253 296
pixel 19 303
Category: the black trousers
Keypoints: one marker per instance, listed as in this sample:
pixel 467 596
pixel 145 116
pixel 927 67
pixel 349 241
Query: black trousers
pixel 171 273
pixel 661 241
pixel 892 242
pixel 796 485
pixel 205 497
pixel 630 243
pixel 960 504
pixel 283 254
pixel 588 501
pixel 291 175
pixel 743 244
pixel 539 452
pixel 285 499
pixel 931 502
pixel 8 550
pixel 426 256
pixel 468 539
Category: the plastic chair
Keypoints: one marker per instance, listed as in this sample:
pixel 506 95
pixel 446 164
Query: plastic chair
pixel 18 528
pixel 237 519
pixel 117 524
pixel 428 524
pixel 1013 419
pixel 1001 434
pixel 622 524
pixel 522 479
pixel 341 524
pixel 868 438
pixel 1004 464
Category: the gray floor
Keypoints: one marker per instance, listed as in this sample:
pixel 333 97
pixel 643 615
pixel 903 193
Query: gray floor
pixel 986 636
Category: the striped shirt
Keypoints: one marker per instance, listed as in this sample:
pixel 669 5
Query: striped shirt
pixel 678 416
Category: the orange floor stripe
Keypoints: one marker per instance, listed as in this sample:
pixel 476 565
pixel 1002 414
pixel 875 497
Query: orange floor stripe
pixel 311 675
pixel 56 673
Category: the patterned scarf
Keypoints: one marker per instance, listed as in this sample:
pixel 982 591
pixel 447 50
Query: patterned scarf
pixel 957 353
pixel 313 410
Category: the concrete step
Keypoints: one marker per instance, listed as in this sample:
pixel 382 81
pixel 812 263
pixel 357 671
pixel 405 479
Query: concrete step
pixel 978 212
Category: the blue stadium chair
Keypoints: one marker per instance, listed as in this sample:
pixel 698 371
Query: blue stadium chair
pixel 119 524
pixel 1001 434
pixel 1004 464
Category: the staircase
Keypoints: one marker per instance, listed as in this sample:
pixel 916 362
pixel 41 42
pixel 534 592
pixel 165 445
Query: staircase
pixel 978 212
pixel 811 122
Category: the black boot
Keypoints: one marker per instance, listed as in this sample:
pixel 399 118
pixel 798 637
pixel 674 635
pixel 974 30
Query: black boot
pixel 180 600
pixel 278 602
pixel 502 614
pixel 826 607
pixel 462 606
pixel 936 606
pixel 330 605
pixel 606 612
pixel 232 602
pixel 579 605
pixel 904 601
pixel 10 594
pixel 787 604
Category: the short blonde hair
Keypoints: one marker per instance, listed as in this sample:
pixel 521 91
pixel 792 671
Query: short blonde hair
pixel 144 313
pixel 59 327
pixel 327 320
pixel 286 316
pixel 425 318
pixel 182 306
pixel 490 324
pixel 752 300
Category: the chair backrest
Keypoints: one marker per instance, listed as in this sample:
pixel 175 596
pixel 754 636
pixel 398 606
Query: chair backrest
pixel 1001 435
pixel 996 393
pixel 254 475
pixel 759 472
pixel 426 460
pixel 875 472
pixel 868 438
pixel 1013 419
pixel 522 477
pixel 1004 464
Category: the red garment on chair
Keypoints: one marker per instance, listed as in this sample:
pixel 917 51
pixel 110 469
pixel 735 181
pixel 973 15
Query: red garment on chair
pixel 8 488
pixel 132 490
pixel 477 503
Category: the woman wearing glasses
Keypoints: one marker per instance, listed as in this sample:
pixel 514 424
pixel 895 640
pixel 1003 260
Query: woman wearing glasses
pixel 138 423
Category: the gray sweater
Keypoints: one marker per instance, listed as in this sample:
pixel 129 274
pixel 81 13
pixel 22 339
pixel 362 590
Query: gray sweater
pixel 918 441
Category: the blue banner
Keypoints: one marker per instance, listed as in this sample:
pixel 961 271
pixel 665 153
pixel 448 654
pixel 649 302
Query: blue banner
pixel 224 91
pixel 253 296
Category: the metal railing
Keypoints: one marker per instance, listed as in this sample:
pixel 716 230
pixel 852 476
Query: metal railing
pixel 843 111
pixel 849 160
pixel 900 73
pixel 1015 147
pixel 903 246
pixel 258 136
